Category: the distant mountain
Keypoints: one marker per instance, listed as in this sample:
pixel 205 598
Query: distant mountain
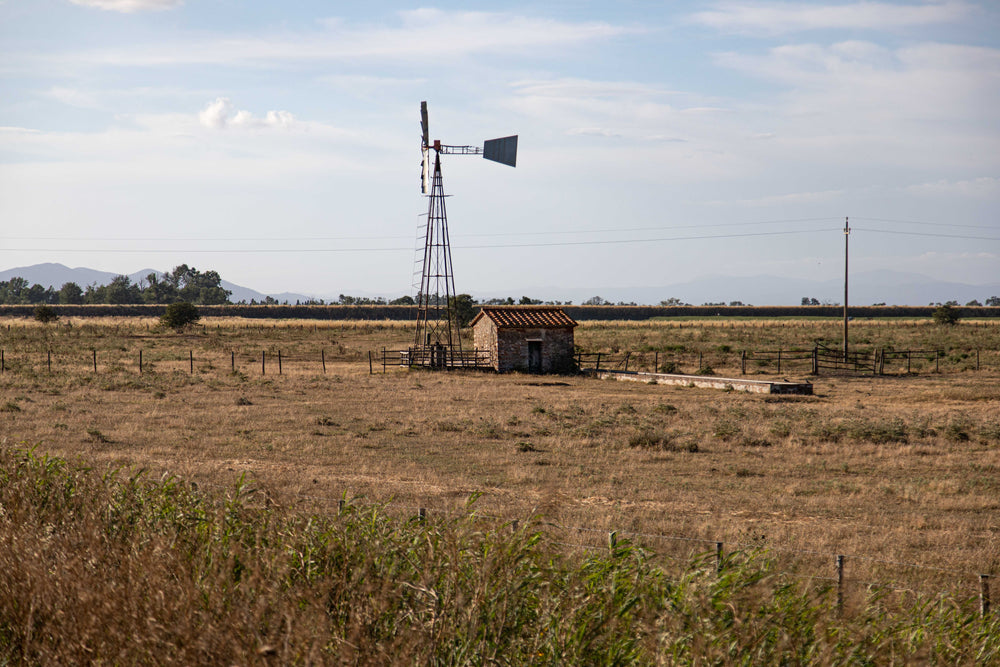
pixel 56 275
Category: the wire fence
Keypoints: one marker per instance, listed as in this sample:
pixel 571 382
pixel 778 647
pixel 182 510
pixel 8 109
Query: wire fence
pixel 852 575
pixel 818 360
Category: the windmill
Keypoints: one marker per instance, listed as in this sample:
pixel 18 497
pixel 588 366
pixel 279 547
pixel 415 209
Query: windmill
pixel 437 341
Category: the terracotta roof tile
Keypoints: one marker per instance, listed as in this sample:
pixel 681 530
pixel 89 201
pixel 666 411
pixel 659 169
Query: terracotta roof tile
pixel 544 317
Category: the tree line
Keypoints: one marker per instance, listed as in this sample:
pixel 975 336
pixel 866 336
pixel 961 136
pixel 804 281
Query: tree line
pixel 181 284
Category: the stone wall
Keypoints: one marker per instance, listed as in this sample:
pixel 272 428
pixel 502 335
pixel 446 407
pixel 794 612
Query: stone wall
pixel 508 346
pixel 557 349
pixel 484 337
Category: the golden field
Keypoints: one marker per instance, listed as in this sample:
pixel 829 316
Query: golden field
pixel 891 471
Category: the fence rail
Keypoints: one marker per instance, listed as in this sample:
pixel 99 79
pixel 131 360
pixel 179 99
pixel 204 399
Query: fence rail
pixel 430 358
pixel 817 361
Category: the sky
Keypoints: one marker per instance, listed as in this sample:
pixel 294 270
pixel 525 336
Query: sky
pixel 660 142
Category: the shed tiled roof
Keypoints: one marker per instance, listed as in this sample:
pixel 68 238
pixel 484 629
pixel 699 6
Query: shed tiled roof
pixel 517 317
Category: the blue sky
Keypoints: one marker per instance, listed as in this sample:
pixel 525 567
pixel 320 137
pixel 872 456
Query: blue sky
pixel 278 143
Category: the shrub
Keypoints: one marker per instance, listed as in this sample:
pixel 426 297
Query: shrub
pixel 46 314
pixel 946 315
pixel 669 367
pixel 878 432
pixel 179 315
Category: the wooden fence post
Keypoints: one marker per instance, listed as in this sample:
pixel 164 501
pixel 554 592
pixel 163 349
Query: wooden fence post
pixel 191 360
pixel 263 368
pixel 95 360
pixel 984 594
pixel 370 370
pixel 598 367
pixel 656 362
pixel 779 362
pixel 718 556
pixel 612 540
pixel 279 362
pixel 627 355
pixel 322 358
pixel 49 361
pixel 743 362
pixel 816 360
pixel 422 515
pixel 840 584
pixel 232 359
pixel 340 506
pixel 140 362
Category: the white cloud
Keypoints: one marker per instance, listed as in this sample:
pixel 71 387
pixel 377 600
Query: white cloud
pixel 130 6
pixel 984 186
pixel 73 97
pixel 922 104
pixel 793 198
pixel 428 33
pixel 219 114
pixel 782 17
pixel 593 132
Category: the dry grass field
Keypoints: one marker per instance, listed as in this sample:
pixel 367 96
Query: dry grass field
pixel 890 471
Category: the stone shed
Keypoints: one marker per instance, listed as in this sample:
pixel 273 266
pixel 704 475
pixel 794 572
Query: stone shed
pixel 535 339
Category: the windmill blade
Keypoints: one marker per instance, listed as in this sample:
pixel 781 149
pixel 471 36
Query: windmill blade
pixel 424 129
pixel 502 150
pixel 425 171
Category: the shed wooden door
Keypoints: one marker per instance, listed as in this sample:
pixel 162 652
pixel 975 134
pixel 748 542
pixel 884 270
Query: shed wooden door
pixel 534 356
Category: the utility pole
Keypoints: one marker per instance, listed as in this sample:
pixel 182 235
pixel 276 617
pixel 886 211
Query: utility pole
pixel 847 234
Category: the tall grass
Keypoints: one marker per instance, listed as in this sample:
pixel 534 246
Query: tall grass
pixel 115 567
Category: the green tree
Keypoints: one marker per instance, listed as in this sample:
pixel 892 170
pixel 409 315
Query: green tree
pixel 159 291
pixel 38 294
pixel 70 293
pixel 122 290
pixel 14 290
pixel 463 309
pixel 180 314
pixel 196 287
pixel 405 300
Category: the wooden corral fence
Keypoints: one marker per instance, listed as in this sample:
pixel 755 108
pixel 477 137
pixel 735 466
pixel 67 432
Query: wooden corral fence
pixel 430 358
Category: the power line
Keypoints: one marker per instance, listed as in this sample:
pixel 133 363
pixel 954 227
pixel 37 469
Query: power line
pixel 929 234
pixel 661 239
pixel 232 239
pixel 410 249
pixel 916 222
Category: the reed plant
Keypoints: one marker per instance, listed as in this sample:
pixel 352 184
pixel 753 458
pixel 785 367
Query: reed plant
pixel 113 566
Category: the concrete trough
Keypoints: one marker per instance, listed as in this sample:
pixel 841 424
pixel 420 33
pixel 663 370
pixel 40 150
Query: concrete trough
pixel 711 382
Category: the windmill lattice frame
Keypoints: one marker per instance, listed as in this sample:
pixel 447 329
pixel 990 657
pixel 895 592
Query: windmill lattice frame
pixel 437 340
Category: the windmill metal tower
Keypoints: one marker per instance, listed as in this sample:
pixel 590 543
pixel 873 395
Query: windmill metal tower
pixel 437 341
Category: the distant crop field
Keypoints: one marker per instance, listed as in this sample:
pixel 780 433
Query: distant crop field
pixel 904 468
